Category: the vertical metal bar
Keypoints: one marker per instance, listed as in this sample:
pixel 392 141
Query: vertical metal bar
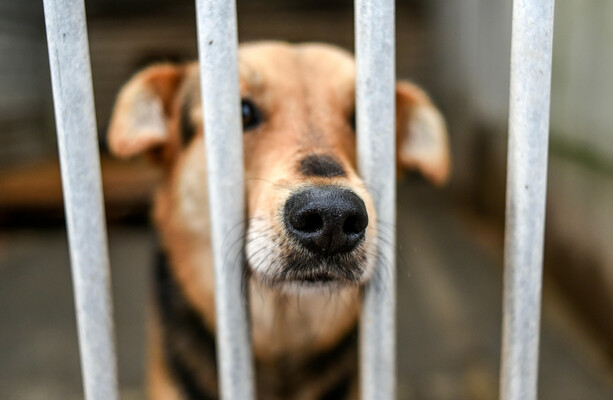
pixel 81 180
pixel 217 45
pixel 375 113
pixel 531 58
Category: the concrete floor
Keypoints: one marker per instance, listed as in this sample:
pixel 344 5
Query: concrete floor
pixel 449 281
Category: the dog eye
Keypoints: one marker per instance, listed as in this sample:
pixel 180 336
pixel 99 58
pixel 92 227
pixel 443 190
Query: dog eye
pixel 352 120
pixel 251 115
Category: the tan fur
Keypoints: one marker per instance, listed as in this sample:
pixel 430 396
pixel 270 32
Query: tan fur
pixel 421 134
pixel 159 382
pixel 149 97
pixel 307 94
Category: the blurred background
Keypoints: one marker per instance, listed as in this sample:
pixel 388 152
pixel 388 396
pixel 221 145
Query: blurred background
pixel 450 241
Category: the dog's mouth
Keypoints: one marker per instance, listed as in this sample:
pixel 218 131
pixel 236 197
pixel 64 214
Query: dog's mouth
pixel 300 267
pixel 293 269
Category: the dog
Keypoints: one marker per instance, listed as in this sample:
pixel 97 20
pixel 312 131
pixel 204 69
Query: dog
pixel 312 229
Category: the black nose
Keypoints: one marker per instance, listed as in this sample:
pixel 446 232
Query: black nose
pixel 327 220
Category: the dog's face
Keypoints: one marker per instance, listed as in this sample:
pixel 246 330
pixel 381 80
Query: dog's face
pixel 311 219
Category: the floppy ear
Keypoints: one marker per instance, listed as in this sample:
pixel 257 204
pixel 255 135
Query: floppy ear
pixel 142 111
pixel 422 142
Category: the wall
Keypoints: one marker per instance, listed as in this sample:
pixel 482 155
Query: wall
pixel 473 59
pixel 24 87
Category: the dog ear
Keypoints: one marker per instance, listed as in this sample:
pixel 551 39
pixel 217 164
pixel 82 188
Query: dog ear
pixel 140 120
pixel 421 134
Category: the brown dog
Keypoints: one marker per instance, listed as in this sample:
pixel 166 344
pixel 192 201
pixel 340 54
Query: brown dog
pixel 312 228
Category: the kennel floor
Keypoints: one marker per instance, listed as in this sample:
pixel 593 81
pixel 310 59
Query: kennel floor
pixel 449 312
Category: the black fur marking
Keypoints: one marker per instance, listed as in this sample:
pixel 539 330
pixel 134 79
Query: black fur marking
pixel 190 352
pixel 189 346
pixel 321 165
pixel 346 348
pixel 187 383
pixel 188 130
pixel 339 391
pixel 292 376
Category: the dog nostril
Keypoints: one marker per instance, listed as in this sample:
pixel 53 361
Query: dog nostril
pixel 354 224
pixel 307 222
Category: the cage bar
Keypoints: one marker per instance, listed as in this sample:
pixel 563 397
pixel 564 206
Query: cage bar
pixel 375 118
pixel 75 119
pixel 218 52
pixel 531 61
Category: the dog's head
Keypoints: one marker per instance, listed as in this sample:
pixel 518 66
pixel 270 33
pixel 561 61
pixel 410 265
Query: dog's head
pixel 311 219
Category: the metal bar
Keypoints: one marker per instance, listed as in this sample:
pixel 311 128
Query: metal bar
pixel 217 45
pixel 531 59
pixel 75 117
pixel 375 113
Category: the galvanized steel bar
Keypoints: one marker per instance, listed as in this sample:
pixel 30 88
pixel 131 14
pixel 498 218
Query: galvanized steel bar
pixel 81 180
pixel 531 59
pixel 217 45
pixel 375 117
